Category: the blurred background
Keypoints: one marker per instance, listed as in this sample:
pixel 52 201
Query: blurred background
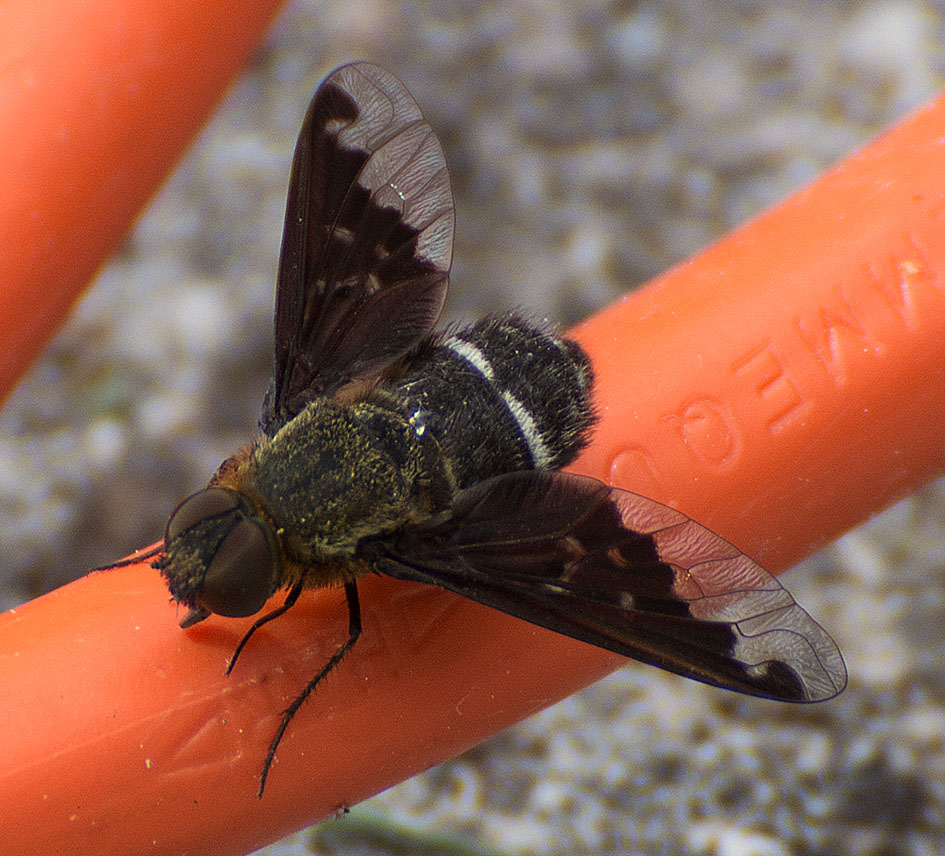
pixel 591 146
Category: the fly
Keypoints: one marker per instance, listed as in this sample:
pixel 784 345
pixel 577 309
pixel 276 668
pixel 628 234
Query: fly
pixel 386 448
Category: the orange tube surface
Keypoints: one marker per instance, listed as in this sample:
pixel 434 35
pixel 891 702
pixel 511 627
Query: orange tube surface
pixel 97 101
pixel 787 383
pixel 776 388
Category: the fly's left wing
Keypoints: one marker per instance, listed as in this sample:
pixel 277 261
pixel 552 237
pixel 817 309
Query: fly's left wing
pixel 368 239
pixel 624 573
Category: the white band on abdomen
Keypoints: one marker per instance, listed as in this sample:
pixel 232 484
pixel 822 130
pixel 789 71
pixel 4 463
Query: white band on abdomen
pixel 537 448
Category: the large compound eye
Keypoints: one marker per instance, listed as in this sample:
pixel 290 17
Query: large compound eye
pixel 239 577
pixel 240 573
pixel 211 502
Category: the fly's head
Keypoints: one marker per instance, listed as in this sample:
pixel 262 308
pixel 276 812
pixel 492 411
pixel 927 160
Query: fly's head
pixel 220 556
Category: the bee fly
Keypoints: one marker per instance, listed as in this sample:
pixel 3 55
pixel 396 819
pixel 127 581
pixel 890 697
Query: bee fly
pixel 384 448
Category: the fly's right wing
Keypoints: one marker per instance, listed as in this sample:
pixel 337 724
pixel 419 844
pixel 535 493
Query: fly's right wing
pixel 368 239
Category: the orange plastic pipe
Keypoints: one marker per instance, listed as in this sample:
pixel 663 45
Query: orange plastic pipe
pixel 777 388
pixel 97 101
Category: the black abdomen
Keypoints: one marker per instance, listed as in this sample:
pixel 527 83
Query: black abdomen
pixel 502 394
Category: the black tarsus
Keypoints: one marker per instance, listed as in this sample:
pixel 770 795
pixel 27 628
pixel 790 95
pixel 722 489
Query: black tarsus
pixel 354 631
pixel 289 602
pixel 150 553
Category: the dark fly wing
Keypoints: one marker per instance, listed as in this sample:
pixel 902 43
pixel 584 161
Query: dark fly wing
pixel 368 239
pixel 624 573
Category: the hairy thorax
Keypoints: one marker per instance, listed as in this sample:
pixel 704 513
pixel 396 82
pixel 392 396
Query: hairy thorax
pixel 336 475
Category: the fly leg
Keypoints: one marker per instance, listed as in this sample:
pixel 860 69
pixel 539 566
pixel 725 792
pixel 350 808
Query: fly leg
pixel 290 600
pixel 354 631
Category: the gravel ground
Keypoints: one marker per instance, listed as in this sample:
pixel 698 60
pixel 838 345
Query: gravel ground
pixel 591 146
